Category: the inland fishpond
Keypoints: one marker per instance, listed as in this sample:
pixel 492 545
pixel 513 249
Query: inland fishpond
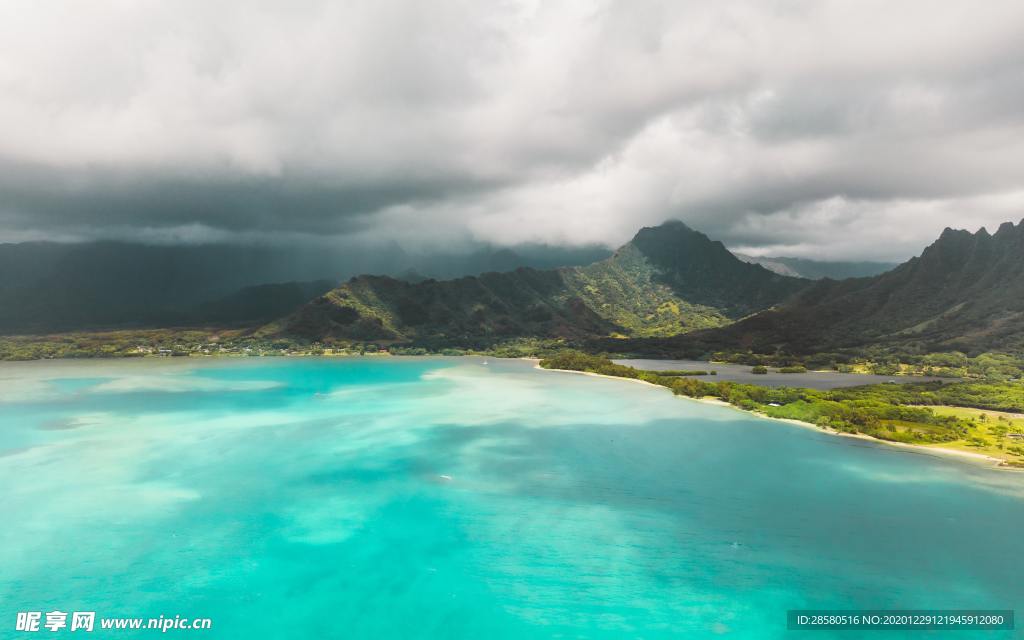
pixel 474 498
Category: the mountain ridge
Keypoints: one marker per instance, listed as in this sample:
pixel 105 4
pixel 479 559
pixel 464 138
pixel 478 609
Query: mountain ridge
pixel 964 292
pixel 667 280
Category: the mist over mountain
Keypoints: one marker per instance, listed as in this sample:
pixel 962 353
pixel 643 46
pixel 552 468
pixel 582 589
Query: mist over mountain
pixel 50 286
pixel 817 269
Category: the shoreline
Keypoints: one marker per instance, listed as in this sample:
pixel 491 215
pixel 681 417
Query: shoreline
pixel 963 456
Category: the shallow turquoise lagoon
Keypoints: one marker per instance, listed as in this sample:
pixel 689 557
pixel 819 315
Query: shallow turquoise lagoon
pixel 461 498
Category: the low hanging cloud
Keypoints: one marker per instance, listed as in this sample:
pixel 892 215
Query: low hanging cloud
pixel 823 129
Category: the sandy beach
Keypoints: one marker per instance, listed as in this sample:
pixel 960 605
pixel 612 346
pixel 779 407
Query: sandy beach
pixel 966 456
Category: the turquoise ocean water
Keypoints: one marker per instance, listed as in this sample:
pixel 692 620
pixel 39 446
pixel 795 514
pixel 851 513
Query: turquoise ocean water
pixel 449 498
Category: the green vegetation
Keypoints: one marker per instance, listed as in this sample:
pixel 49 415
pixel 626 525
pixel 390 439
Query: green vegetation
pixel 995 396
pixel 897 413
pixel 793 369
pixel 627 291
pixel 759 370
pixel 994 430
pixel 571 360
pixel 236 342
pixel 110 344
pixel 151 342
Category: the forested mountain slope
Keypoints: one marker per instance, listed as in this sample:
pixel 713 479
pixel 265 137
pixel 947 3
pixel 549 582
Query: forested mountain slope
pixel 965 291
pixel 668 280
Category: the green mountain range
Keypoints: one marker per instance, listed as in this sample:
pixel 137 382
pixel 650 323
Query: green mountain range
pixel 667 281
pixel 964 292
pixel 673 291
pixel 670 291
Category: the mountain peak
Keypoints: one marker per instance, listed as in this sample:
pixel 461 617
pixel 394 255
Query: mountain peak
pixel 672 222
pixel 1007 228
pixel 960 244
pixel 950 232
pixel 701 270
pixel 673 242
pixel 668 227
pixel 962 235
pixel 964 292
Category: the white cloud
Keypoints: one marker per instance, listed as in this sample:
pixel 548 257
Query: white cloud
pixel 565 122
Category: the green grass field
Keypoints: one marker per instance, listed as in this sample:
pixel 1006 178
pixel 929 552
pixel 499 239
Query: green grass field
pixel 990 432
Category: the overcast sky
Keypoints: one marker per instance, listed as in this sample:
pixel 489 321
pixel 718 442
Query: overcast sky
pixel 820 129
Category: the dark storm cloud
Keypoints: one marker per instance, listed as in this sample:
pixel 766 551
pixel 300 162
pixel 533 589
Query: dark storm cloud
pixel 90 201
pixel 824 129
